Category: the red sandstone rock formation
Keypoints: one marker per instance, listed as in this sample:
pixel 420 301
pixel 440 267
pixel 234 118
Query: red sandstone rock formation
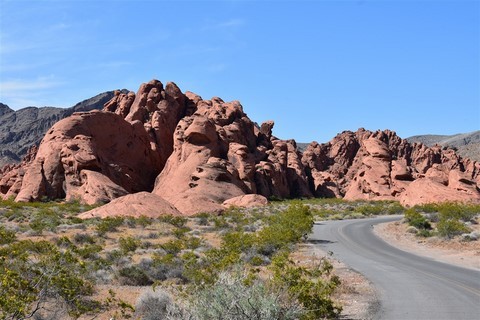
pixel 246 201
pixel 199 155
pixel 219 154
pixel 11 176
pixel 381 166
pixel 133 205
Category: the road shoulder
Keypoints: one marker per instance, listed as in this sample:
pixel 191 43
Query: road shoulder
pixel 456 252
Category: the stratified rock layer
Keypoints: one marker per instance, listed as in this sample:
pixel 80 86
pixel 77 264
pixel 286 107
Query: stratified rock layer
pixel 198 155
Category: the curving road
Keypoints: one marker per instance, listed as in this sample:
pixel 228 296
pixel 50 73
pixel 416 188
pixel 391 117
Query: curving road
pixel 409 286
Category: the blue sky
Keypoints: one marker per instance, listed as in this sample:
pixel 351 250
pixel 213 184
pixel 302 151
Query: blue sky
pixel 315 67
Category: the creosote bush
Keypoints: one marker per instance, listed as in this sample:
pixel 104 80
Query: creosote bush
pixel 417 220
pixel 446 219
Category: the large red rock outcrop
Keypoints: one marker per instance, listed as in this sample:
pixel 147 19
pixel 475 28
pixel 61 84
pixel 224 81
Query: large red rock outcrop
pixel 381 166
pixel 93 156
pixel 203 151
pixel 199 155
pixel 219 154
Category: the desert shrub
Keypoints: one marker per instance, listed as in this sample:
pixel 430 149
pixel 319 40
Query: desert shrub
pixel 180 232
pixel 417 220
pixel 176 221
pixel 312 287
pixel 6 236
pixel 134 276
pixel 424 233
pixel 355 215
pixel 144 221
pixel 427 208
pixel 395 208
pixel 285 228
pixel 108 225
pixel 89 251
pixel 128 244
pixel 449 228
pixel 82 238
pixel 153 235
pixel 220 223
pixel 31 273
pixel 63 242
pixel 45 219
pixel 193 243
pixel 323 213
pixel 202 218
pixel 230 297
pixel 458 211
pixel 375 208
pixel 173 246
pixel 337 216
pixel 166 267
pixel 153 304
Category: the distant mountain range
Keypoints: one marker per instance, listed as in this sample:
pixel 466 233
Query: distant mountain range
pixel 21 129
pixel 466 144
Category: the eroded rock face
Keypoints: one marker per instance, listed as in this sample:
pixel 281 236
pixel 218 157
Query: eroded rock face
pixel 198 155
pixel 203 151
pixel 92 156
pixel 381 166
pixel 219 154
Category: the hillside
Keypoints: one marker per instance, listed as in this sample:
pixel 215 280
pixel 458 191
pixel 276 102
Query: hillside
pixel 466 144
pixel 21 129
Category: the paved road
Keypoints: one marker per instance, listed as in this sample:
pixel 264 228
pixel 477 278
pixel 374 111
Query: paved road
pixel 409 286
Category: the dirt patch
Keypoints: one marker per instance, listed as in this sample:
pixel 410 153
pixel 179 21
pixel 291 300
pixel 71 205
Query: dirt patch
pixel 356 294
pixel 455 251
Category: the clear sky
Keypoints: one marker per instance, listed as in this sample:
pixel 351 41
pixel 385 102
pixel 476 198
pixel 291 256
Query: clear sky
pixel 315 67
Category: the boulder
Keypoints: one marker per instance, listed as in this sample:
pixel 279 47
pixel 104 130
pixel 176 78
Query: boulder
pixel 246 201
pixel 133 205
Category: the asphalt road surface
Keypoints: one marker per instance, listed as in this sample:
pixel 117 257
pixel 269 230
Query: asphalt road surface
pixel 409 286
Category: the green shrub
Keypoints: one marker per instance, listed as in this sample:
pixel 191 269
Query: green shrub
pixel 144 221
pixel 89 251
pixel 424 233
pixel 32 273
pixel 6 236
pixel 458 211
pixel 173 246
pixel 45 219
pixel 232 296
pixel 449 228
pixel 128 244
pixel 180 232
pixel 108 225
pixel 417 220
pixel 81 238
pixel 375 208
pixel 134 276
pixel 312 288
pixel 176 221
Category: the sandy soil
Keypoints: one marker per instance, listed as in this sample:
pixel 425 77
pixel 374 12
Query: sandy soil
pixel 462 253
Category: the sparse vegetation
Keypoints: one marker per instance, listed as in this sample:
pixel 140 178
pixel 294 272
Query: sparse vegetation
pixel 445 220
pixel 201 254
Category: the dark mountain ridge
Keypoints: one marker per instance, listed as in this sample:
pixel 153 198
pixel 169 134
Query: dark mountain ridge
pixel 21 129
pixel 467 145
